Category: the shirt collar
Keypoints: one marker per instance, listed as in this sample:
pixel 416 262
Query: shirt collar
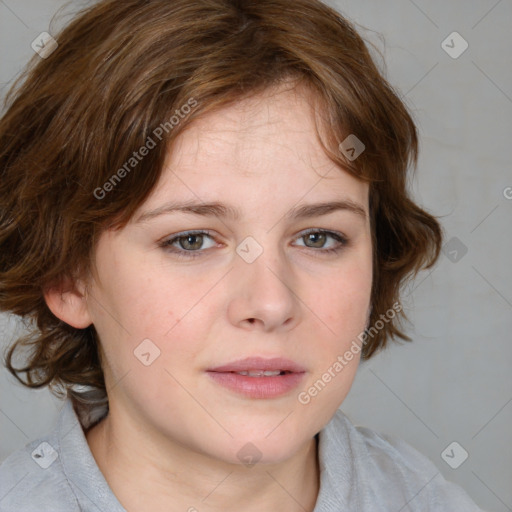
pixel 338 482
pixel 87 481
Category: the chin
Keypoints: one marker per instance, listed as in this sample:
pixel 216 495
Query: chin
pixel 250 452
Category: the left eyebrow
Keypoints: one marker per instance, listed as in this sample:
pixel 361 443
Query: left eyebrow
pixel 216 209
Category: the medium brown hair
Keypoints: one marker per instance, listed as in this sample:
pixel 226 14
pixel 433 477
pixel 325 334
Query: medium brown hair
pixel 122 70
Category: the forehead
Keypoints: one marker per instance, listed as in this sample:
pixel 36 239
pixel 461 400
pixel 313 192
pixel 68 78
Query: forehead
pixel 259 152
pixel 279 121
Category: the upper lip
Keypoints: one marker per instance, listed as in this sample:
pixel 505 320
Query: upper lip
pixel 259 363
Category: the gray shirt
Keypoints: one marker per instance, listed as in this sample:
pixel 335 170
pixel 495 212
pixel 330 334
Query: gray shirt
pixel 361 471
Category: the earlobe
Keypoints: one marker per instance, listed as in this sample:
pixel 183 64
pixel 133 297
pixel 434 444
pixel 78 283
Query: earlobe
pixel 69 304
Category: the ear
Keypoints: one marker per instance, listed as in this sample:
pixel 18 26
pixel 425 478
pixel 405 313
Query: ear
pixel 68 302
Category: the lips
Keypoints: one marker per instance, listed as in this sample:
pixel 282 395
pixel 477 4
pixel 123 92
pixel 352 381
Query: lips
pixel 258 377
pixel 258 366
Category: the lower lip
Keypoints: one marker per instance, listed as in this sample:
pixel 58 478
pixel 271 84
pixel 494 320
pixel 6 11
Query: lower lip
pixel 258 387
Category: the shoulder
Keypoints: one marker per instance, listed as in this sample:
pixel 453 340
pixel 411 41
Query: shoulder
pixel 32 479
pixel 389 470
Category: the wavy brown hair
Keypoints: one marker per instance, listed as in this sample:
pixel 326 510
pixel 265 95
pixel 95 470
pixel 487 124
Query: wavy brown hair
pixel 120 71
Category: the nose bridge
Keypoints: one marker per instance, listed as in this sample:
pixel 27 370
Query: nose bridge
pixel 262 260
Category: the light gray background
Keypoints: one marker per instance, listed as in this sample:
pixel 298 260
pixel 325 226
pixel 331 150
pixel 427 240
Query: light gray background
pixel 453 383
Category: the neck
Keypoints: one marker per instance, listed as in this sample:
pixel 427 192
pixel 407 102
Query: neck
pixel 144 480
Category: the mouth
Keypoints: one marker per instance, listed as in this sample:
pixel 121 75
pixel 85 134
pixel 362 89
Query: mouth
pixel 262 373
pixel 259 366
pixel 258 377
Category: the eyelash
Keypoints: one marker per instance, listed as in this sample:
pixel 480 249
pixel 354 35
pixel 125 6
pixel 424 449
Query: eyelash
pixel 182 253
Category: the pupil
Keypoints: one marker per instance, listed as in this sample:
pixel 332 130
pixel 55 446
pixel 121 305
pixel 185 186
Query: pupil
pixel 188 239
pixel 313 235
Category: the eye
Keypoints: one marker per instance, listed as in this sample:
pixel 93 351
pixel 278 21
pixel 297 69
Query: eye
pixel 318 238
pixel 190 244
pixel 187 244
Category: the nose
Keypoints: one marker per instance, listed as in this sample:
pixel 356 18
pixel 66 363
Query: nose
pixel 261 293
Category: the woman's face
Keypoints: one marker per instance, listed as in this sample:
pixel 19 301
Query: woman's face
pixel 168 311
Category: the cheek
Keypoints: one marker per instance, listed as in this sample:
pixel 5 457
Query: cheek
pixel 343 311
pixel 344 299
pixel 138 296
pixel 158 308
